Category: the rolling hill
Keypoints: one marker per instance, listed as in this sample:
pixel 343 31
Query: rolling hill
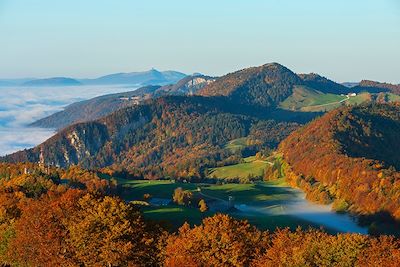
pixel 349 156
pixel 144 78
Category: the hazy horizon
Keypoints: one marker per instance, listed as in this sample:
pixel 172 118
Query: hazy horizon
pixel 346 41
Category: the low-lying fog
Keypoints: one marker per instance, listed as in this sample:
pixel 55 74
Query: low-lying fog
pixel 21 106
pixel 299 207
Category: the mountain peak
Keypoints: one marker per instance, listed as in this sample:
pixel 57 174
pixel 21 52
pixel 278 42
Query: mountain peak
pixel 263 86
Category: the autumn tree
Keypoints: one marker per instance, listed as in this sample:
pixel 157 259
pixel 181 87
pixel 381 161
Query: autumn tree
pixel 203 206
pixel 182 197
pixel 146 197
pixel 218 241
pixel 40 233
pixel 108 232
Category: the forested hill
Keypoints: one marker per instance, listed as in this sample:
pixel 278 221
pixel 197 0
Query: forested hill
pixel 349 155
pixel 263 86
pixel 176 136
pixel 269 85
pixel 372 86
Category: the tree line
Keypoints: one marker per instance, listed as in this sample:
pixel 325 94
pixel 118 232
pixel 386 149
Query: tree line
pixel 55 217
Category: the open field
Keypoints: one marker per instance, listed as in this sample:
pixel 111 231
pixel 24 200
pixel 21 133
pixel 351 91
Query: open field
pixel 257 194
pixel 135 189
pixel 393 97
pixel 307 99
pixel 359 99
pixel 254 193
pixel 236 144
pixel 243 193
pixel 250 167
pixel 174 216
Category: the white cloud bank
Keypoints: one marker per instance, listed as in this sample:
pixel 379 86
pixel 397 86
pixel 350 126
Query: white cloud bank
pixel 20 106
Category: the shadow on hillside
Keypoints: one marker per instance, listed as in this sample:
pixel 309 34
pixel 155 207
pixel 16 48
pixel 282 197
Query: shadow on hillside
pixel 380 223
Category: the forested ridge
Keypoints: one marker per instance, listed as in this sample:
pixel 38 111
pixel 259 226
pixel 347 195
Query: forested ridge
pixel 57 217
pixel 92 109
pixel 170 136
pixel 371 86
pixel 349 156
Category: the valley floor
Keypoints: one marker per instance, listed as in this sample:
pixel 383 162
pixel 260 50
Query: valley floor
pixel 267 205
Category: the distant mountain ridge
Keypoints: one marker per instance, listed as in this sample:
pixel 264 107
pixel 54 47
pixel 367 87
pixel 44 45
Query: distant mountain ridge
pixel 98 107
pixel 145 78
pixel 94 108
pixel 151 77
pixel 56 81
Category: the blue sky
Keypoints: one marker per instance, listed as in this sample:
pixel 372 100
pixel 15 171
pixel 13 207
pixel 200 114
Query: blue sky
pixel 341 39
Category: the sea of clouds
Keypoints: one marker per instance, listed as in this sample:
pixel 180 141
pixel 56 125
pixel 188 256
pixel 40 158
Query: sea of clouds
pixel 20 106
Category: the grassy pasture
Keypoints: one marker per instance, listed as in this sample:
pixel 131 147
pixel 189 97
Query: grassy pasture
pixel 255 194
pixel 250 167
pixel 307 99
pixel 236 144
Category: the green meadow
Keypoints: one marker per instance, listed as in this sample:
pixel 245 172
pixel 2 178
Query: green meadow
pixel 307 99
pixel 250 167
pixel 256 194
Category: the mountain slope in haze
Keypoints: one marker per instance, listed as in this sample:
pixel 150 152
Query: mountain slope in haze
pixel 56 81
pixel 350 156
pixel 145 78
pixel 189 85
pixel 94 108
pixel 98 107
pixel 170 136
pixel 263 86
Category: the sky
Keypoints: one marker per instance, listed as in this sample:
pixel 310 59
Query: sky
pixel 340 39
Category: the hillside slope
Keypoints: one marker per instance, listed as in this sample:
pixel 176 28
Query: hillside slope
pixel 174 136
pixel 94 108
pixel 349 155
pixel 323 84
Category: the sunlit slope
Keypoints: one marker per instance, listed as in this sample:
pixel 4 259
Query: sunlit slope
pixel 308 99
